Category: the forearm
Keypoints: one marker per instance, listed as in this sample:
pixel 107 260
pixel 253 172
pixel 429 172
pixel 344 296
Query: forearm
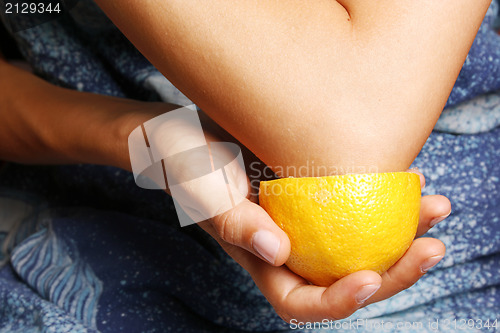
pixel 43 123
pixel 358 85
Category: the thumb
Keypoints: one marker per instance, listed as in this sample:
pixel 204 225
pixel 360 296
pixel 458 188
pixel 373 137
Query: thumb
pixel 248 226
pixel 220 198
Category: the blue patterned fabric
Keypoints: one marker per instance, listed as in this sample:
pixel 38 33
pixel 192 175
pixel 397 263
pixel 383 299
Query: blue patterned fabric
pixel 473 106
pixel 480 114
pixel 59 275
pixel 95 253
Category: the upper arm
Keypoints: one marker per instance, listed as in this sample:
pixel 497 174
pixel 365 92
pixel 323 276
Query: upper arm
pixel 344 84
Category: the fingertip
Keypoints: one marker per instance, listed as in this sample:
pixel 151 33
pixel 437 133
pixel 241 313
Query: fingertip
pixel 438 219
pixel 365 292
pixel 423 254
pixel 442 205
pixel 437 251
pixel 369 283
pixel 267 239
pixel 352 291
pixel 429 263
pixel 271 245
pixel 434 209
pixel 428 252
pixel 266 244
pixel 439 247
pixel 427 247
pixel 284 250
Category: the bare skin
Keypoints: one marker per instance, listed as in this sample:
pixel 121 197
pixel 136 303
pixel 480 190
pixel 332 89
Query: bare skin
pixel 51 133
pixel 47 126
pixel 351 85
pixel 294 83
pixel 346 84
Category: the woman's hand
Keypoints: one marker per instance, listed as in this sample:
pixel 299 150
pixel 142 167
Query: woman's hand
pixel 292 296
pixel 249 235
pixel 75 127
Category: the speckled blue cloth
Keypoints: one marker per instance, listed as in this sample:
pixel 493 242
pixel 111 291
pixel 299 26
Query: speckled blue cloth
pixel 92 252
pixel 474 103
pixel 480 114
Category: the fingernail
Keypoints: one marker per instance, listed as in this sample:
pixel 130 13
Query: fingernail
pixel 438 219
pixel 266 244
pixel 366 292
pixel 429 263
